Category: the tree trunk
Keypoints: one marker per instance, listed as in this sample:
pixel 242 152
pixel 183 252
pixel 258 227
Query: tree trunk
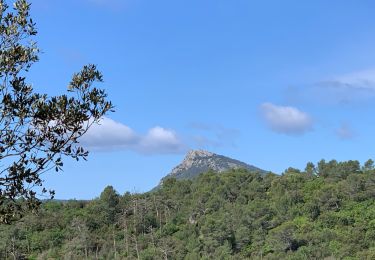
pixel 158 215
pixel 126 235
pixel 86 254
pixel 114 244
pixel 13 249
pixel 136 246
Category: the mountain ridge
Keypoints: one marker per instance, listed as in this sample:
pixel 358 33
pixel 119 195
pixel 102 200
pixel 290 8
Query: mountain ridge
pixel 197 162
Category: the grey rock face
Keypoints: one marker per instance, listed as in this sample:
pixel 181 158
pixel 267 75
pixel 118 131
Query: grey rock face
pixel 199 161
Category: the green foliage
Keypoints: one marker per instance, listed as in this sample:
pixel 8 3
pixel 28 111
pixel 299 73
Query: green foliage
pixel 36 130
pixel 325 212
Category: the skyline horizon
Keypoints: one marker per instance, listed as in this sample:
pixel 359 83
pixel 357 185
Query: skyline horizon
pixel 275 85
pixel 137 191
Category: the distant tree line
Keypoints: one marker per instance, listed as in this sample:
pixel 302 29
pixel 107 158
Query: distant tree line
pixel 326 211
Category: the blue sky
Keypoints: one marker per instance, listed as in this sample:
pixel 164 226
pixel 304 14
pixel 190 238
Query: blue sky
pixel 272 83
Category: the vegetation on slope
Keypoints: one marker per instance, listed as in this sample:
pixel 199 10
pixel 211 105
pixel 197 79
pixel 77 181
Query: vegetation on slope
pixel 326 211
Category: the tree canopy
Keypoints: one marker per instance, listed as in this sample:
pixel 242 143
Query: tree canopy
pixel 37 130
pixel 234 215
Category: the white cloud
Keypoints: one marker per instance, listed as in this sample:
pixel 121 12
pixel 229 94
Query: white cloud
pixel 285 119
pixel 345 132
pixel 111 135
pixel 161 140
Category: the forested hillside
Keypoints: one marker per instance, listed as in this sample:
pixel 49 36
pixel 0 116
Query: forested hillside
pixel 326 211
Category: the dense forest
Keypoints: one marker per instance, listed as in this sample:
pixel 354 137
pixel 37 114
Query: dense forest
pixel 326 211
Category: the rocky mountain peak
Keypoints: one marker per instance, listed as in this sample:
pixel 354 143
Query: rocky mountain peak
pixel 194 154
pixel 200 161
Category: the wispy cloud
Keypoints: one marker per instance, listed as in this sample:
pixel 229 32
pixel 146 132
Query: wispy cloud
pixel 286 119
pixel 213 135
pixel 42 5
pixel 357 86
pixel 110 135
pixel 111 4
pixel 358 81
pixel 345 132
pixel 71 56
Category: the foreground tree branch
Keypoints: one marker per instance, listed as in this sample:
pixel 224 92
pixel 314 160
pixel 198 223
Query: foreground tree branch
pixel 36 130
